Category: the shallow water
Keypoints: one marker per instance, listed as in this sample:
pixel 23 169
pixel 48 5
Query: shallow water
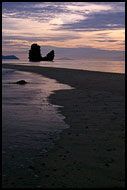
pixel 30 124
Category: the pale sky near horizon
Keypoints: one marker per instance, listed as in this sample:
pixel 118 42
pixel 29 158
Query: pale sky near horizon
pixel 72 29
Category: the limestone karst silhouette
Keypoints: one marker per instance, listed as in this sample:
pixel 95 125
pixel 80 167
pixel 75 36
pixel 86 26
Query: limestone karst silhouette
pixel 35 54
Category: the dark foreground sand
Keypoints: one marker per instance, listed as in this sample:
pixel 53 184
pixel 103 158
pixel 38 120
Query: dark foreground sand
pixel 90 154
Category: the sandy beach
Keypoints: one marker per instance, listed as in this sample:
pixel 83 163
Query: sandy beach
pixel 91 153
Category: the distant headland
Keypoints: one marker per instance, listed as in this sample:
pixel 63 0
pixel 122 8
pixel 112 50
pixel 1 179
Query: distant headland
pixel 9 57
pixel 64 58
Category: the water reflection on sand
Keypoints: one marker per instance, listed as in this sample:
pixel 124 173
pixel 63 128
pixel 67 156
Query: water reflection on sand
pixel 30 124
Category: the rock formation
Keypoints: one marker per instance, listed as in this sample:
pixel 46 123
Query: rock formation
pixel 35 54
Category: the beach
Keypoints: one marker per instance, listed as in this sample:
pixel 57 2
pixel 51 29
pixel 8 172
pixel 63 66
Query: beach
pixel 91 152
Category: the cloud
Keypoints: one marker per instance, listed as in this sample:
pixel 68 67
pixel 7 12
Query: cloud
pixel 63 24
pixel 107 40
pixel 98 21
pixel 10 39
pixel 55 10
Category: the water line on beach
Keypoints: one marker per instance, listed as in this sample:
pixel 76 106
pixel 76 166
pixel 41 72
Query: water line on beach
pixel 31 124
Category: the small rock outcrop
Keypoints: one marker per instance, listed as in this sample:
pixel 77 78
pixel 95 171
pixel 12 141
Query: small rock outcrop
pixel 35 54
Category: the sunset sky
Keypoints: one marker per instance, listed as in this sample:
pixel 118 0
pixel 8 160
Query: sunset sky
pixel 72 29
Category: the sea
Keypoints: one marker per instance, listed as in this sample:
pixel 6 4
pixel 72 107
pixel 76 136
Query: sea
pixel 30 123
pixel 92 65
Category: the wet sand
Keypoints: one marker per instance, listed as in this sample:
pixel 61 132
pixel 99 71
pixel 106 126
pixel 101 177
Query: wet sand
pixel 89 154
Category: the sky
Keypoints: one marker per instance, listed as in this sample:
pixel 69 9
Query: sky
pixel 86 30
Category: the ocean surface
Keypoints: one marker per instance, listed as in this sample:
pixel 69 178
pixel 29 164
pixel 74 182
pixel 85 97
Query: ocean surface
pixel 103 66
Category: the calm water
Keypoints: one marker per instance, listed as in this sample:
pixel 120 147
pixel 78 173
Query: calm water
pixel 104 66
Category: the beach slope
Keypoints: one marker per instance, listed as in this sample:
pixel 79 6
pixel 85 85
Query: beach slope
pixel 89 154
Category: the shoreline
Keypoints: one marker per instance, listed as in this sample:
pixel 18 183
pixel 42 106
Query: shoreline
pixel 89 154
pixel 70 76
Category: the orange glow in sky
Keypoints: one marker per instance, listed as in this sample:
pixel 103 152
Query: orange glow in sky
pixel 63 25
